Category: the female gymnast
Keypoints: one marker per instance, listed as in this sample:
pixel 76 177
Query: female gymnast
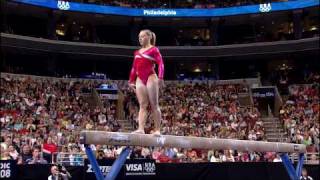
pixel 145 82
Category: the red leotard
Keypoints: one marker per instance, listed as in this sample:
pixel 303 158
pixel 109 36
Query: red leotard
pixel 143 65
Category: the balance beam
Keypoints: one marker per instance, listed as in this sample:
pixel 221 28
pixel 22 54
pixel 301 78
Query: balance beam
pixel 129 139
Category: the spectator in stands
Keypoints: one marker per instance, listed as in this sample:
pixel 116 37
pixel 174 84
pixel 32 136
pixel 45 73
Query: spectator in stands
pixel 7 142
pixel 170 153
pixel 101 155
pixel 228 156
pixel 76 157
pixel 156 153
pixel 49 148
pixel 313 159
pixel 5 155
pixel 145 152
pixel 13 152
pixel 243 157
pixel 277 158
pixel 25 154
pixel 36 157
pixel 215 157
pixel 163 158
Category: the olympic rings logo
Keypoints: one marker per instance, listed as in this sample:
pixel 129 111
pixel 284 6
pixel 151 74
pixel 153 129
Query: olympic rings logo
pixel 265 7
pixel 149 167
pixel 63 5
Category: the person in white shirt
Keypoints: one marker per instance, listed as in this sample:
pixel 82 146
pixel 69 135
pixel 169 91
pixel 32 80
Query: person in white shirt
pixel 277 158
pixel 13 152
pixel 215 157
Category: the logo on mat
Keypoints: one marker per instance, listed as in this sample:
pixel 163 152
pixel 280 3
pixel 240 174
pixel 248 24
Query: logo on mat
pixel 146 168
pixel 118 138
pixel 63 5
pixel 161 140
pixel 149 167
pixel 103 169
pixel 265 7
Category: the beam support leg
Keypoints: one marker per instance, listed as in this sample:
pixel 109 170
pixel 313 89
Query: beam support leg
pixel 299 165
pixel 117 165
pixel 294 174
pixel 94 163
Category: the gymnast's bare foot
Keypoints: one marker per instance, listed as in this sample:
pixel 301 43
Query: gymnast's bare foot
pixel 156 133
pixel 139 131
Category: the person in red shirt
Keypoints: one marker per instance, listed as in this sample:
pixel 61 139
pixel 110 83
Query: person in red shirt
pixel 49 148
pixel 145 82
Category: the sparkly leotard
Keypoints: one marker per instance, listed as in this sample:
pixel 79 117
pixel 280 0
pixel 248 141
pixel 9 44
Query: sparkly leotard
pixel 144 63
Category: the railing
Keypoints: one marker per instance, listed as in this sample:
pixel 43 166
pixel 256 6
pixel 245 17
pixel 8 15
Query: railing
pixel 309 158
pixel 283 136
pixel 270 113
pixel 69 159
pixel 93 49
pixel 247 81
pixel 77 159
pixel 278 102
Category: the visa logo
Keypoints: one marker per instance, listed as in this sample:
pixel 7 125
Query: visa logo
pixel 134 167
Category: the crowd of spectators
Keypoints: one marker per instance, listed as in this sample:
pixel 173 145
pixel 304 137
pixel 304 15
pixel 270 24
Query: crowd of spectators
pixel 40 117
pixel 176 4
pixel 300 115
pixel 47 115
pixel 202 110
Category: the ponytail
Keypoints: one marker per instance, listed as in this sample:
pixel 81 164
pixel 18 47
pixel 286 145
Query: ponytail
pixel 153 39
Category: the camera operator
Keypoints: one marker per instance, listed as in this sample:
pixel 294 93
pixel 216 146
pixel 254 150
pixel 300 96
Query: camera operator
pixel 59 173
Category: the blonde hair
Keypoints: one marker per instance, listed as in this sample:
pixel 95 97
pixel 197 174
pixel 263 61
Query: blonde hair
pixel 152 36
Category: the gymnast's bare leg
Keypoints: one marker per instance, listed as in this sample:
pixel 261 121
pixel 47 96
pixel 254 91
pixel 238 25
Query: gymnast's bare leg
pixel 153 94
pixel 142 95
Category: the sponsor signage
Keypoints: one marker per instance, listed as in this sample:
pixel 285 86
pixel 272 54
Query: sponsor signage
pixel 7 169
pixel 137 167
pixel 263 92
pixel 63 5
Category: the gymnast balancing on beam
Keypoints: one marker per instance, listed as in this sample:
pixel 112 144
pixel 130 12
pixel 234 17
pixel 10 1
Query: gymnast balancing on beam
pixel 145 82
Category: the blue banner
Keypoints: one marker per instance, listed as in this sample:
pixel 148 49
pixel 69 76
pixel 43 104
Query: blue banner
pixel 111 10
pixel 263 92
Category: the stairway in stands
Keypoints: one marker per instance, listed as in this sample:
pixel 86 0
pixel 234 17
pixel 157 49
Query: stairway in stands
pixel 274 129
